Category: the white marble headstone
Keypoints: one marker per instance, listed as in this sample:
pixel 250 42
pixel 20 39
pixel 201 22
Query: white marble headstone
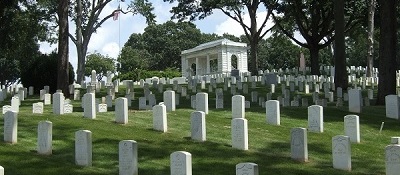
pixel 352 128
pixel 83 148
pixel 246 168
pixel 315 119
pixel 10 127
pixel 239 133
pixel 273 112
pixel 198 126
pixel 341 152
pixel 181 163
pixel 45 138
pixel 160 118
pixel 128 157
pixel 298 144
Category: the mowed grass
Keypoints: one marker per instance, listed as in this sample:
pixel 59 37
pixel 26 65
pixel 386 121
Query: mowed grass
pixel 269 146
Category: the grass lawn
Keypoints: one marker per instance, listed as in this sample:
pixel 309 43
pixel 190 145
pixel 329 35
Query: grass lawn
pixel 269 146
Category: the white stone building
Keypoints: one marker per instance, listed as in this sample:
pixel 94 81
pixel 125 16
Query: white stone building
pixel 215 57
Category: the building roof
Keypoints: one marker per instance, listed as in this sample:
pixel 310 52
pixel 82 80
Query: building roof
pixel 211 44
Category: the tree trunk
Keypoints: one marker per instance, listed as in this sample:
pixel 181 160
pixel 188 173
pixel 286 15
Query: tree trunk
pixel 341 79
pixel 81 55
pixel 63 66
pixel 370 56
pixel 253 57
pixel 314 57
pixel 387 50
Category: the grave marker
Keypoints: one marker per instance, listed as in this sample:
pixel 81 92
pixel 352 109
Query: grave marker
pixel 45 138
pixel 181 163
pixel 341 152
pixel 239 134
pixel 198 126
pixel 121 110
pixel 10 127
pixel 128 157
pixel 298 144
pixel 83 147
pixel 160 118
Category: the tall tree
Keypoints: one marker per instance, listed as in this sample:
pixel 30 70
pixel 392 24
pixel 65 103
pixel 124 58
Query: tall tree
pixel 164 42
pixel 387 50
pixel 341 79
pixel 85 14
pixel 314 20
pixel 235 10
pixel 370 56
pixel 63 69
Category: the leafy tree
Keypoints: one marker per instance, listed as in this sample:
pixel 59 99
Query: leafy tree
pixel 315 21
pixel 387 50
pixel 131 59
pixel 278 51
pixel 164 42
pixel 102 64
pixel 236 11
pixel 85 14
pixel 21 28
pixel 63 63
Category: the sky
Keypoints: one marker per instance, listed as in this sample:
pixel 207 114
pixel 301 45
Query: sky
pixel 112 35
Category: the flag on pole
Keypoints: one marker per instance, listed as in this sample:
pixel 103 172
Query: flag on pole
pixel 116 14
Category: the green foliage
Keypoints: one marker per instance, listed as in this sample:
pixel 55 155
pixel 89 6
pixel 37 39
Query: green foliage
pixel 131 59
pixel 43 72
pixel 278 52
pixel 100 63
pixel 9 73
pixel 164 43
pixel 138 74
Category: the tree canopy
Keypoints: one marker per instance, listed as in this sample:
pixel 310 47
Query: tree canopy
pixel 102 64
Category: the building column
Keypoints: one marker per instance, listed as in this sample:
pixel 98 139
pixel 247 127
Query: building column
pixel 197 66
pixel 208 64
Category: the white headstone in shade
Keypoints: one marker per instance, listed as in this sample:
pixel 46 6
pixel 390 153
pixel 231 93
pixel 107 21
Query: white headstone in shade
pixel 316 118
pixel 160 118
pixel 198 126
pixel 341 152
pixel 37 108
pixel 142 103
pixel 68 108
pixel 47 89
pixel 169 100
pixel 273 112
pixel 219 100
pixel 102 107
pixel 392 104
pixel 246 168
pixel 395 140
pixel 109 101
pixel 77 95
pixel 1 170
pixel 1 95
pixel 128 157
pixel 15 103
pixel 47 99
pixel 58 103
pixel 238 107
pixel 355 100
pixel 181 163
pixel 352 127
pixel 45 138
pixel 202 102
pixel 89 110
pixel 392 159
pixel 298 144
pixel 6 108
pixel 10 127
pixel 83 148
pixel 21 94
pixel 240 139
pixel 121 110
